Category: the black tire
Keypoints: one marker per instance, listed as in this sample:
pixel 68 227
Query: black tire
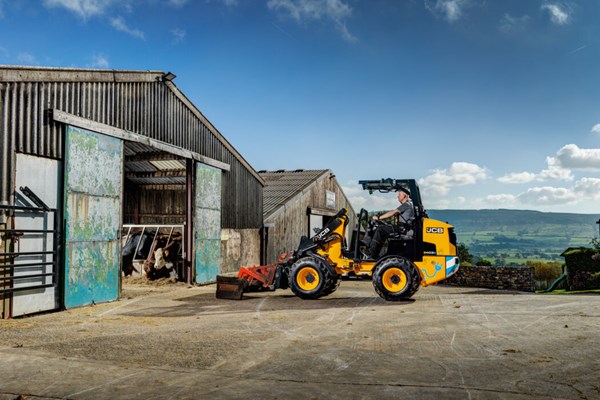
pixel 310 279
pixel 334 284
pixel 396 279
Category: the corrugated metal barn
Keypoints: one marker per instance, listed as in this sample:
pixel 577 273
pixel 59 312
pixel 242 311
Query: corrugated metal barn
pixel 86 154
pixel 297 202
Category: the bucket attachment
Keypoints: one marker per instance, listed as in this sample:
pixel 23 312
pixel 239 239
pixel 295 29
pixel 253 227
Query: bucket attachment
pixel 256 278
pixel 230 287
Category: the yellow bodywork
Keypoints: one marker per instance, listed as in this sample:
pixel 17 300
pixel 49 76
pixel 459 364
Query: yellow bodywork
pixel 439 256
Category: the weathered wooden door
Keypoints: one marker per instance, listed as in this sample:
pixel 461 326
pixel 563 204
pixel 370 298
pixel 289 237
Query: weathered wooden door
pixel 207 223
pixel 93 191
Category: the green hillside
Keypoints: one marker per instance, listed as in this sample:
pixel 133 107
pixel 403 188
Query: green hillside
pixel 515 236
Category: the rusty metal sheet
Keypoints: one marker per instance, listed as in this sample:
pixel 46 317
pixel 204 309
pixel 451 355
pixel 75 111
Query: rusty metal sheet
pixel 93 190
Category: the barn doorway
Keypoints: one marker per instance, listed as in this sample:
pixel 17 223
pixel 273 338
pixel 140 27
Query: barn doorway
pixel 173 205
pixel 154 213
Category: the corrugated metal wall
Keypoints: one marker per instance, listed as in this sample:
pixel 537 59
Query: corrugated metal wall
pixel 157 205
pixel 138 102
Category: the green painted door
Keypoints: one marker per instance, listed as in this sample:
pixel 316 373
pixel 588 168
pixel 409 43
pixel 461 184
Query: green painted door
pixel 207 223
pixel 93 190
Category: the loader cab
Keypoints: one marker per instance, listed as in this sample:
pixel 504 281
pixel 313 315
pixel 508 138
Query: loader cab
pixel 406 246
pixel 396 244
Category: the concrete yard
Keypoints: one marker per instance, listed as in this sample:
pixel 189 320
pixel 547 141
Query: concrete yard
pixel 175 342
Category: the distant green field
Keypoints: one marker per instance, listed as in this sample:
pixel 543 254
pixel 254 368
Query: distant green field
pixel 507 237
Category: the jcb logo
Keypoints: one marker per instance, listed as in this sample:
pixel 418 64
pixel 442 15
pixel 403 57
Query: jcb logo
pixel 435 230
pixel 322 234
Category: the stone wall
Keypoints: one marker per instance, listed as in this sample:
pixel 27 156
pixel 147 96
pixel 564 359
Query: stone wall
pixel 503 278
pixel 239 248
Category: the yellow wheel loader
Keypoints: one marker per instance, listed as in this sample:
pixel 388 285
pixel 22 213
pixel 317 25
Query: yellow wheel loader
pixel 427 256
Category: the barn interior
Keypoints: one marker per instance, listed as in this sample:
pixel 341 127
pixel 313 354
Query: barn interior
pixel 154 213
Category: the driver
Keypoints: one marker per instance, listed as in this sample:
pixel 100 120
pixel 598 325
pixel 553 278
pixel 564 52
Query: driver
pixel 406 216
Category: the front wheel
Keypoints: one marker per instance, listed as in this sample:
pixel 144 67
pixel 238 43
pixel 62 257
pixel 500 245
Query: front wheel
pixel 395 279
pixel 309 279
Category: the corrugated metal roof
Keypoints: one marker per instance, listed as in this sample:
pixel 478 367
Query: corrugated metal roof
pixel 146 166
pixel 281 186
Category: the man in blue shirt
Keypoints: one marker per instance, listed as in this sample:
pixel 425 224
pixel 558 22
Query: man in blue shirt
pixel 406 217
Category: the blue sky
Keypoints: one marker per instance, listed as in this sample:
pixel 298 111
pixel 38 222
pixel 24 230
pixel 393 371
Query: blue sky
pixel 489 104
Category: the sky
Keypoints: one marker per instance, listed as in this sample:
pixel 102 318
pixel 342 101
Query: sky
pixel 486 103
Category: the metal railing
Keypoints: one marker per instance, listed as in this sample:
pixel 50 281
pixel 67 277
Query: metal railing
pixel 11 275
pixel 169 230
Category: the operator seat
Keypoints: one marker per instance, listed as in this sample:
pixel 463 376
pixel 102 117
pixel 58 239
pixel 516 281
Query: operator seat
pixel 402 242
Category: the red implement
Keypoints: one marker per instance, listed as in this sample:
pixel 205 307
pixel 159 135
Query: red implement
pixel 248 278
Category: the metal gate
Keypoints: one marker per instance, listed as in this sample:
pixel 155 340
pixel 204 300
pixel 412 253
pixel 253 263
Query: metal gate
pixel 34 221
pixel 28 257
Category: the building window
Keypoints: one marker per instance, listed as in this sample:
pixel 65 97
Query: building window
pixel 330 199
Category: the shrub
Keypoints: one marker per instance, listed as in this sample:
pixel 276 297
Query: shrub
pixel 545 271
pixel 585 280
pixel 581 259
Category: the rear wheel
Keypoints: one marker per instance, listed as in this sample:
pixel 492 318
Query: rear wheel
pixel 395 279
pixel 309 279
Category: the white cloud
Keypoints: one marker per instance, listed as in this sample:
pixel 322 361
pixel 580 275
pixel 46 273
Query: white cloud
pixel 441 181
pixel 559 13
pixel 99 61
pixel 360 198
pixel 83 8
pixel 555 171
pixel 588 188
pixel 501 199
pixel 573 157
pixel 518 177
pixel 178 35
pixel 230 3
pixel 510 24
pixel 311 10
pixel 27 59
pixel 494 201
pixel 569 157
pixel 548 195
pixel 178 3
pixel 119 24
pixel 585 189
pixel 451 10
pixel 596 129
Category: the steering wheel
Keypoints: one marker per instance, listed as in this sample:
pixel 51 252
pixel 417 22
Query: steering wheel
pixel 374 223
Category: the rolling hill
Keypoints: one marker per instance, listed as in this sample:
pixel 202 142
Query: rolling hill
pixel 515 236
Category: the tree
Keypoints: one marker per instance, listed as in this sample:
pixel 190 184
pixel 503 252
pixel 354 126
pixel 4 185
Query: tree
pixel 466 258
pixel 484 263
pixel 544 271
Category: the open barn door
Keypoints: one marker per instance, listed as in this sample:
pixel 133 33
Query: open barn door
pixel 93 191
pixel 207 223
